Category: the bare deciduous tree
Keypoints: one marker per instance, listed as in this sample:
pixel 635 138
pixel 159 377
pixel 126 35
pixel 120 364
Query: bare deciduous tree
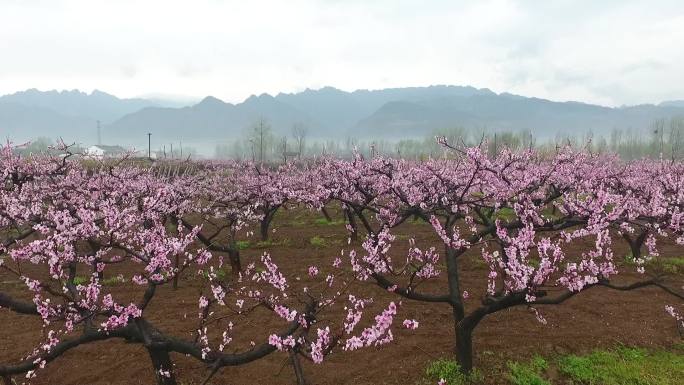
pixel 299 131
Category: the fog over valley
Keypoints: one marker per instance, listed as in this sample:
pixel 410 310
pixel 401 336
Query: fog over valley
pixel 327 114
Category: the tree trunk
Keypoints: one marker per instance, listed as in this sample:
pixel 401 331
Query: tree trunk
pixel 174 223
pixel 636 243
pixel 464 338
pixel 352 223
pixel 454 283
pixel 463 325
pixel 299 372
pixel 176 264
pixel 234 257
pixel 462 328
pixel 326 214
pixel 94 247
pixel 265 223
pixel 163 367
pixel 464 347
pixel 635 249
pixel 100 274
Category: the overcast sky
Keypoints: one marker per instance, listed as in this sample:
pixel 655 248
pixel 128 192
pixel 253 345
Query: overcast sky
pixel 605 52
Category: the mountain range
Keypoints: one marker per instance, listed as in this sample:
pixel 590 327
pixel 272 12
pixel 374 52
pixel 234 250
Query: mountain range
pixel 327 112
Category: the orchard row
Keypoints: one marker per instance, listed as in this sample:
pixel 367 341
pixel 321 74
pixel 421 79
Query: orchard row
pixel 523 213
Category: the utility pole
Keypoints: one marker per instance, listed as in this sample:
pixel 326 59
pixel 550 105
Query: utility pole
pixel 495 144
pixel 530 141
pixel 149 146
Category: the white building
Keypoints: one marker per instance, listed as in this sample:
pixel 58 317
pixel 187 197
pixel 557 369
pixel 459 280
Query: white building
pixel 101 151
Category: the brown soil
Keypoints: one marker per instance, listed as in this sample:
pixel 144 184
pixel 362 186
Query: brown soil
pixel 597 318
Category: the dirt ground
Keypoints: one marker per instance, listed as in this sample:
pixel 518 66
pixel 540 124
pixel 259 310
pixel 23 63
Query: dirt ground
pixel 597 318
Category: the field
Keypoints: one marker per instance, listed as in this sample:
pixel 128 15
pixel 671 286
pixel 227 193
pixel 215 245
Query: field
pixel 520 268
pixel 598 318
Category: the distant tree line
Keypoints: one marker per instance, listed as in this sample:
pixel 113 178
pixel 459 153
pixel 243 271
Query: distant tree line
pixel 662 138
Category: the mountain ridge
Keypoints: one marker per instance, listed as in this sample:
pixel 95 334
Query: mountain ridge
pixel 391 113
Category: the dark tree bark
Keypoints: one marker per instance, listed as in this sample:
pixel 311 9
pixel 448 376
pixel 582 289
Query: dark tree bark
pixel 176 262
pixel 326 214
pixel 263 228
pixel 635 244
pixel 464 348
pixel 299 371
pixel 163 367
pixel 265 222
pixel 352 223
pixel 95 247
pixel 463 326
pixel 454 284
pixel 234 258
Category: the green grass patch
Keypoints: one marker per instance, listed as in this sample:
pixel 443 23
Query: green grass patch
pixel 264 244
pixel 220 274
pixel 318 241
pixel 79 280
pixel 271 243
pixel 550 213
pixel 416 220
pixel 323 221
pixel 450 371
pixel 241 245
pixel 528 373
pixel 619 366
pixel 113 280
pixel 676 261
pixel 479 263
pixel 505 213
pixel 624 366
pixel 670 265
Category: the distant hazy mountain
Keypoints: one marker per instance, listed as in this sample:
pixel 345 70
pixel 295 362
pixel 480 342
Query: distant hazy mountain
pixel 389 113
pixel 97 105
pixel 70 114
pixel 506 112
pixel 22 123
pixel 210 119
pixel 338 111
pixel 672 103
pixel 328 112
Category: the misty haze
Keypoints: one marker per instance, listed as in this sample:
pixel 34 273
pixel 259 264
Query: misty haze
pixel 400 192
pixel 329 120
